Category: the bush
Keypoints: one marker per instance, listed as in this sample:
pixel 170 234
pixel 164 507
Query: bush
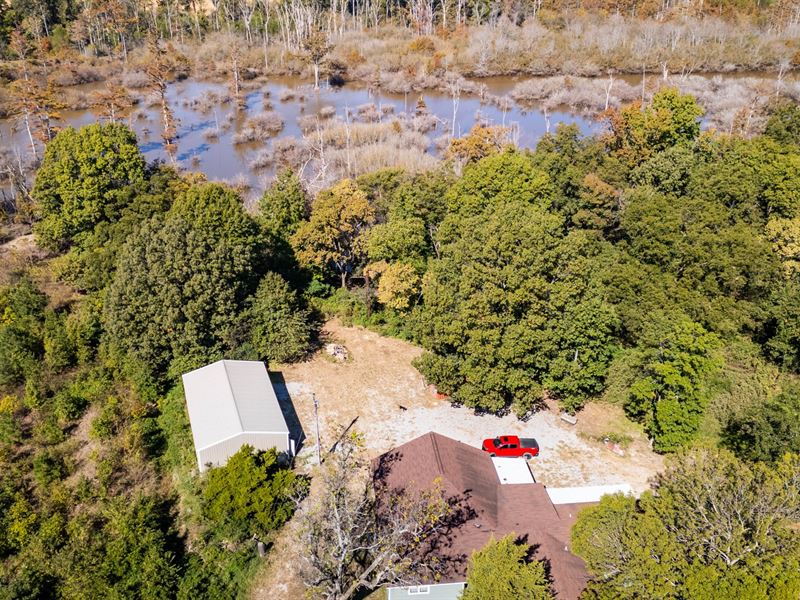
pixel 279 326
pixel 251 495
pixel 69 406
pixel 59 352
pixel 767 431
pixel 21 323
pixel 107 422
pixel 48 466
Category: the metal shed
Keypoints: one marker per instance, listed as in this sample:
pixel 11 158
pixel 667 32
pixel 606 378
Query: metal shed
pixel 232 403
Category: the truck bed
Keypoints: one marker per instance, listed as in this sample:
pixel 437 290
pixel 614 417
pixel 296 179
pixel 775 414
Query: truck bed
pixel 528 443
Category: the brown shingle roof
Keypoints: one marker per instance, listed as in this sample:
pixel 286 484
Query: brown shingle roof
pixel 496 510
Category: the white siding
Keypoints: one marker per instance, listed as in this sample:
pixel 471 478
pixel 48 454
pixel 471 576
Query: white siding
pixel 438 591
pixel 589 493
pixel 218 454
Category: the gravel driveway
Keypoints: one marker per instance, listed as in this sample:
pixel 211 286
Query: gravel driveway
pixel 380 393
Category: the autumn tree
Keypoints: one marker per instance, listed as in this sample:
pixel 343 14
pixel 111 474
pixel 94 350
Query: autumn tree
pixel 316 46
pixel 332 235
pixel 161 68
pixel 113 102
pixel 637 132
pixel 480 142
pixel 39 108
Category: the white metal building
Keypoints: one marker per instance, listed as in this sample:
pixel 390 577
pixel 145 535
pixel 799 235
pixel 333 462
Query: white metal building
pixel 232 403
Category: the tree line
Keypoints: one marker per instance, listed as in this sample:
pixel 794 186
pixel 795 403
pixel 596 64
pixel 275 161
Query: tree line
pixel 97 469
pixel 117 25
pixel 641 266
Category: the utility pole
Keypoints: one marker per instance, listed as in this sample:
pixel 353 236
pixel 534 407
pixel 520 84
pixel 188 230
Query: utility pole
pixel 316 417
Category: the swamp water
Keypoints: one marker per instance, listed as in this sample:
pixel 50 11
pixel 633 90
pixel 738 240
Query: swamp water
pixel 219 157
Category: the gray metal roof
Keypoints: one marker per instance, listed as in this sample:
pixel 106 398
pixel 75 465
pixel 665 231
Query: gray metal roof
pixel 230 397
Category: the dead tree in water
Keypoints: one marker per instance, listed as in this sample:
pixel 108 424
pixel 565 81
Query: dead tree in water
pixel 113 102
pixel 159 72
pixel 236 79
pixel 38 107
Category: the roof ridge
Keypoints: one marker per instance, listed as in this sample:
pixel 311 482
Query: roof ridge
pixel 233 395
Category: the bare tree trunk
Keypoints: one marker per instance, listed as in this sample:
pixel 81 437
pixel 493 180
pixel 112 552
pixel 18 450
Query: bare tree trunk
pixel 27 120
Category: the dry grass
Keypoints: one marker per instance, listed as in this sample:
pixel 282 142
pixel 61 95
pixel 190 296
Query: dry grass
pixel 259 127
pixel 339 149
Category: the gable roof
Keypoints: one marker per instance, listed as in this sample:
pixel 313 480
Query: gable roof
pixel 497 509
pixel 230 397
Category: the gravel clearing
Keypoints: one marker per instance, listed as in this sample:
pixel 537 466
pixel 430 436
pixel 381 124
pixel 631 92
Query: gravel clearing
pixel 379 392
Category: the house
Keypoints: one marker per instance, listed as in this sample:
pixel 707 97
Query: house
pixel 232 403
pixel 502 498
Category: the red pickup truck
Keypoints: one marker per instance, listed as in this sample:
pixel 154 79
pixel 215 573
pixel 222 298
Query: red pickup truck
pixel 511 445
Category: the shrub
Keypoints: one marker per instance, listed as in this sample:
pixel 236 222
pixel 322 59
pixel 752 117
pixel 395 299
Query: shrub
pixel 68 406
pixel 768 430
pixel 251 495
pixel 422 44
pixel 48 466
pixel 279 327
pixel 260 127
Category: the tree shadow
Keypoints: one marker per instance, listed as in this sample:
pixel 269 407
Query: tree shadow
pixel 296 431
pixel 438 555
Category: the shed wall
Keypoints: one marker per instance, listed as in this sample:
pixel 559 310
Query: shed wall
pixel 439 591
pixel 219 453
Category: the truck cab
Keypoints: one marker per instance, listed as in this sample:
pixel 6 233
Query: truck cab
pixel 511 445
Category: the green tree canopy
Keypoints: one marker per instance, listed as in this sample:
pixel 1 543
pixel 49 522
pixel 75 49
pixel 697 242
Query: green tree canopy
pixel 501 570
pixel 22 316
pixel 252 494
pixel 80 181
pixel 716 527
pixel 502 177
pixel 279 326
pixel 284 205
pixel 767 431
pixel 671 395
pixel 497 309
pixel 182 281
pixel 783 124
